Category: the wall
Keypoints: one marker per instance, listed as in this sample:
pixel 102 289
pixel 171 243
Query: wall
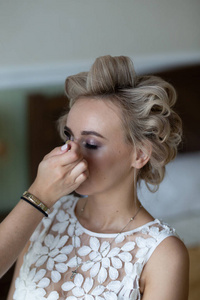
pixel 44 41
pixel 43 32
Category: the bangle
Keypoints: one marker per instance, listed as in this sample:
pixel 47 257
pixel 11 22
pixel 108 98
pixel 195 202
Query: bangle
pixel 37 207
pixel 31 199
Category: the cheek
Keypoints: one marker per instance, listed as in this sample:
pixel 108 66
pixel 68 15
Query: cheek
pixel 106 162
pixel 97 162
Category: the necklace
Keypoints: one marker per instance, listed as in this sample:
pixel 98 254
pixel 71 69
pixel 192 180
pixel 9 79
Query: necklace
pixel 74 272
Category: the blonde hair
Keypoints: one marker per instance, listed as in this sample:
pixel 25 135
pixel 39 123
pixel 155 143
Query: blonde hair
pixel 146 104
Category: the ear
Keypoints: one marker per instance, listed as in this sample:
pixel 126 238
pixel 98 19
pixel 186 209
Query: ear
pixel 141 157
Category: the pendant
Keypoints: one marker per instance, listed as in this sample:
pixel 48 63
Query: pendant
pixel 73 274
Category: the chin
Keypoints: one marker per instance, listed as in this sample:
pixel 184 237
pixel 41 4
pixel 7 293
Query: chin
pixel 80 193
pixel 83 189
pixel 86 189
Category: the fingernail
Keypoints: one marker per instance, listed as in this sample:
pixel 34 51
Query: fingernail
pixel 64 147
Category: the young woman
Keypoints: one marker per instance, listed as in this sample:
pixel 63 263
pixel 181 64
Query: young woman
pixel 120 129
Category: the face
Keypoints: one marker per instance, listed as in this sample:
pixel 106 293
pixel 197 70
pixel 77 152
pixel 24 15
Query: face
pixel 95 124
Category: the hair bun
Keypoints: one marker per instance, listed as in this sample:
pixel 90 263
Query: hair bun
pixel 109 74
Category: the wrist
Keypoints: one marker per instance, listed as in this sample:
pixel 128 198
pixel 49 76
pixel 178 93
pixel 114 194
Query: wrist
pixel 34 201
pixel 40 196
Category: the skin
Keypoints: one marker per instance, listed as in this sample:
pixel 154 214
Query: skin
pixel 104 168
pixel 111 165
pixel 59 173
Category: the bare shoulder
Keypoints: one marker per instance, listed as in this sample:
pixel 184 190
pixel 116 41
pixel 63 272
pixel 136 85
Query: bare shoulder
pixel 166 274
pixel 171 249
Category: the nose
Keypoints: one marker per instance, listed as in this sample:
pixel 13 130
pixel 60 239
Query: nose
pixel 80 143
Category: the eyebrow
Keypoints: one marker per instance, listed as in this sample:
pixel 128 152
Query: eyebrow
pixel 92 133
pixel 85 132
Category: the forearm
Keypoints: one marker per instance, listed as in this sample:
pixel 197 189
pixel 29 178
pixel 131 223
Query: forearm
pixel 60 173
pixel 15 231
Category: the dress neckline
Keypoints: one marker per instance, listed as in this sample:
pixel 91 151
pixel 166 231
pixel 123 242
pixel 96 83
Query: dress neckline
pixel 107 235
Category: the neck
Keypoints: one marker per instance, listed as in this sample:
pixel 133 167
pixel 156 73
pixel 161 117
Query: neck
pixel 108 213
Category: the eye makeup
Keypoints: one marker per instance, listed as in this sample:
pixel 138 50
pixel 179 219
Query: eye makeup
pixel 87 142
pixel 91 144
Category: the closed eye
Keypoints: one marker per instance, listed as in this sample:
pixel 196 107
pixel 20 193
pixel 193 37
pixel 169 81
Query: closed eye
pixel 90 146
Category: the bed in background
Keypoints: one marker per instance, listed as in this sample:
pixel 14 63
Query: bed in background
pixel 178 198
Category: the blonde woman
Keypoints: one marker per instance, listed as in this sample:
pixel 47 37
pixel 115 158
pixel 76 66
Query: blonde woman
pixel 120 129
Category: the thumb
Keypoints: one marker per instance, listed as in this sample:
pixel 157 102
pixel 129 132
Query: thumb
pixel 58 150
pixel 65 147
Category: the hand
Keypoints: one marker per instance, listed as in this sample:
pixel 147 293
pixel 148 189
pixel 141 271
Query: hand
pixel 59 173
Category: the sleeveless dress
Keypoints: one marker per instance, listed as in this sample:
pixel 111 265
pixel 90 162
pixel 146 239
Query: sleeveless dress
pixel 109 265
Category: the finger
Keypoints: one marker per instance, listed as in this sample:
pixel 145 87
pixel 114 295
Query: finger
pixel 57 151
pixel 80 179
pixel 72 146
pixel 80 168
pixel 72 156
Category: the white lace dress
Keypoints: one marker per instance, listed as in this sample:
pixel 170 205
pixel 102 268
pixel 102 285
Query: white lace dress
pixel 109 267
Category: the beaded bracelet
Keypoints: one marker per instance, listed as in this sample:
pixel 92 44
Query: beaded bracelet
pixel 31 199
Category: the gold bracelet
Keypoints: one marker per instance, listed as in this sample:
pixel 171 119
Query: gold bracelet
pixel 36 202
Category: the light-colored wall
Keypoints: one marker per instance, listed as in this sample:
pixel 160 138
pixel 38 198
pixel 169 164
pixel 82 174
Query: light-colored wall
pixel 41 42
pixel 48 31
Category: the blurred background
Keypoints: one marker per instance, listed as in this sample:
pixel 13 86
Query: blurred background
pixel 42 42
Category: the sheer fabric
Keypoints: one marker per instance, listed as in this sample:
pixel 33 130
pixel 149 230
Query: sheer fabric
pixel 110 265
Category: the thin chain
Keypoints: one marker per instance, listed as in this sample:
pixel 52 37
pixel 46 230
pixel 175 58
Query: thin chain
pixel 74 272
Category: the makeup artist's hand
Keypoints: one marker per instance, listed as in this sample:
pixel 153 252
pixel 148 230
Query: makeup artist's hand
pixel 60 172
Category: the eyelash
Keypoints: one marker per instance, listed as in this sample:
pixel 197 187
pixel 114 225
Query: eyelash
pixel 67 135
pixel 90 146
pixel 85 144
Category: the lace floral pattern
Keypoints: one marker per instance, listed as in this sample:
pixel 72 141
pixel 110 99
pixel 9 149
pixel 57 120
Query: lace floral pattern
pixel 109 267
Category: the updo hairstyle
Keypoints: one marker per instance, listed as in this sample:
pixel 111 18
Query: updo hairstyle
pixel 146 104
